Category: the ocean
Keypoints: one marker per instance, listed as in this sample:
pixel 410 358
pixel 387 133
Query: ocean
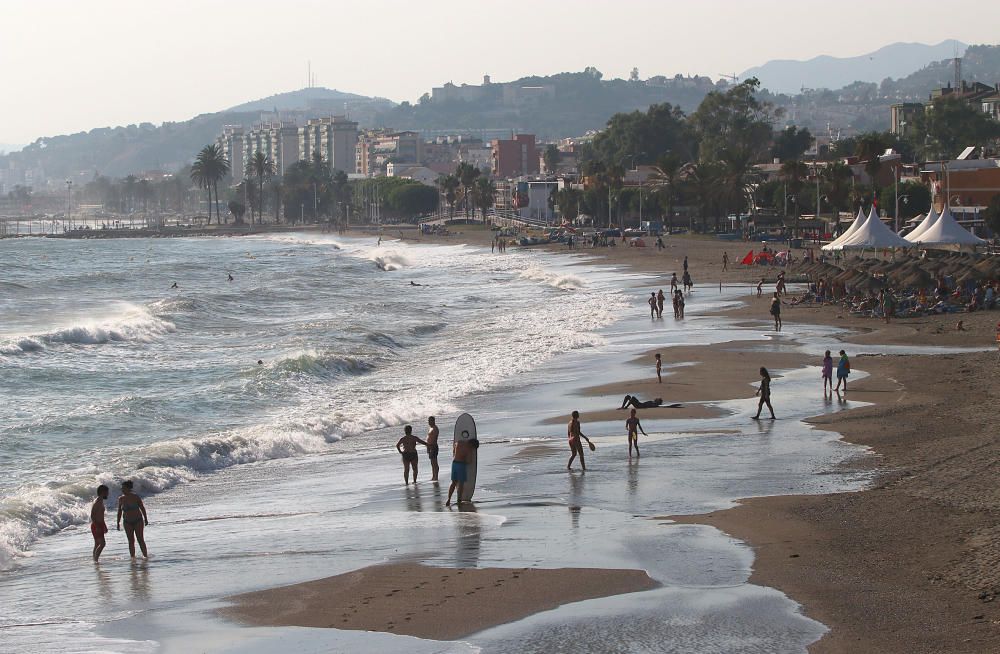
pixel 257 418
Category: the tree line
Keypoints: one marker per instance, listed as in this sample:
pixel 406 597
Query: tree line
pixel 706 161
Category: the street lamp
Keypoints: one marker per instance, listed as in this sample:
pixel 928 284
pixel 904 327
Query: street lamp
pixel 69 203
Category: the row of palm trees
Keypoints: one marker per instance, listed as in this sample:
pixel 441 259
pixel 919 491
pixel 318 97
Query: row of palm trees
pixel 470 186
pixel 211 166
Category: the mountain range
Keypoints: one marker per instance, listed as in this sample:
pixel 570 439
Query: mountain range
pixel 828 72
pixel 578 102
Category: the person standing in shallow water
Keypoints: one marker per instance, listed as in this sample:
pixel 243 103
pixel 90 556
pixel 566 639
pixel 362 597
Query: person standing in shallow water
pixel 775 311
pixel 407 447
pixel 659 303
pixel 633 427
pixel 765 393
pixel 459 467
pixel 131 508
pixel 432 447
pixel 98 527
pixel 843 371
pixel 659 366
pixel 827 372
pixel 574 434
pixel 652 305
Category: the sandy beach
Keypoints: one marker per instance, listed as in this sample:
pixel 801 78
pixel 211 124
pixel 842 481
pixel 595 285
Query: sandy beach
pixel 427 602
pixel 909 565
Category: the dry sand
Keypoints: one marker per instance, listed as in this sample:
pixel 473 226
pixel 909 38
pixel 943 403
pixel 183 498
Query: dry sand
pixel 427 602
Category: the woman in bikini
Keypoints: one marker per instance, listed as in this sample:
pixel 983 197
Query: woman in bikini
pixel 130 507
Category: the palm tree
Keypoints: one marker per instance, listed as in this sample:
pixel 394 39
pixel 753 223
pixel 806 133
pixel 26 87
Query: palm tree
pixel 448 185
pixel 794 171
pixel 466 174
pixel 869 147
pixel 261 169
pixel 665 179
pixel 838 177
pixel 483 195
pixel 211 165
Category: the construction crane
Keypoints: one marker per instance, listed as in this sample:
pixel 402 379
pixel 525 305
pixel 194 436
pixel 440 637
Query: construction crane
pixel 732 78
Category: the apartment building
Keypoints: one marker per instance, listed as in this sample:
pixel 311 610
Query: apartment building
pixel 231 144
pixel 376 148
pixel 515 157
pixel 277 140
pixel 335 138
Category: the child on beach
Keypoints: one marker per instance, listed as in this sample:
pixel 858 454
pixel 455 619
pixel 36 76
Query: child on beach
pixel 130 507
pixel 827 372
pixel 659 365
pixel 407 447
pixel 98 527
pixel 633 427
pixel 843 370
pixel 459 467
pixel 765 393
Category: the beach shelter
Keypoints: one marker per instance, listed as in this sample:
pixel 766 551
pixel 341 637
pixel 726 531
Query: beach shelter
pixel 748 260
pixel 925 224
pixel 872 234
pixel 947 234
pixel 850 231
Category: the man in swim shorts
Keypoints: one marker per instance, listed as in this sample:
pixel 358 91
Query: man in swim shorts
pixel 633 426
pixel 432 447
pixel 407 446
pixel 459 467
pixel 98 527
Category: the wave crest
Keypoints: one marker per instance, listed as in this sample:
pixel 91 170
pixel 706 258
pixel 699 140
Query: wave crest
pixel 133 324
pixel 557 280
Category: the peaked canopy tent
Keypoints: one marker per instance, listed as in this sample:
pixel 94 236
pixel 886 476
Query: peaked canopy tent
pixel 947 234
pixel 850 230
pixel 871 234
pixel 925 224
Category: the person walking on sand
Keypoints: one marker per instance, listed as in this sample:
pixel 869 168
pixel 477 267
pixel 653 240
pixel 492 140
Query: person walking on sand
pixel 633 427
pixel 98 527
pixel 725 261
pixel 432 447
pixel 459 467
pixel 843 371
pixel 574 434
pixel 775 311
pixel 131 508
pixel 673 283
pixel 685 263
pixel 659 366
pixel 659 303
pixel 765 393
pixel 407 447
pixel 652 305
pixel 688 284
pixel 827 372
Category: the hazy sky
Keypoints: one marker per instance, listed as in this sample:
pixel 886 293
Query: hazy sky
pixel 71 65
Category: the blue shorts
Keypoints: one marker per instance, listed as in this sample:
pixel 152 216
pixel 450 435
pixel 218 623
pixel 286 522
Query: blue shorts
pixel 459 471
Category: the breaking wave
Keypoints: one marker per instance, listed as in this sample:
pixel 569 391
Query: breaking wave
pixel 131 324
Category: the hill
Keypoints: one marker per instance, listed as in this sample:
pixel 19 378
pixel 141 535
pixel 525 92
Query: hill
pixel 303 99
pixel 826 72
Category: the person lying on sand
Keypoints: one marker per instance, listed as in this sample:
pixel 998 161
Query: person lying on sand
pixel 634 402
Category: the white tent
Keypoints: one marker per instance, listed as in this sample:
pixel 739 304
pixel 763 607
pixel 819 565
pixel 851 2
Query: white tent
pixel 946 233
pixel 925 224
pixel 871 234
pixel 850 231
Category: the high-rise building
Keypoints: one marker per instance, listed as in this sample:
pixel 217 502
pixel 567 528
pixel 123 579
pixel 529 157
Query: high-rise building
pixel 279 143
pixel 231 144
pixel 335 138
pixel 376 148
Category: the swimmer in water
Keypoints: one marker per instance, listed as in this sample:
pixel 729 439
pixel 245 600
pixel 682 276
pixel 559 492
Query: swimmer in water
pixel 230 276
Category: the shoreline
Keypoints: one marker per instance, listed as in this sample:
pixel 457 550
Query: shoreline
pixel 909 564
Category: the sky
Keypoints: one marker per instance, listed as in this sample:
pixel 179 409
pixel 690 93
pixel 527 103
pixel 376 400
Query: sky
pixel 73 65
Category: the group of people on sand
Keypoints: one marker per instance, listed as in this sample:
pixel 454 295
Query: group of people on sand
pixel 131 511
pixel 461 449
pixel 498 245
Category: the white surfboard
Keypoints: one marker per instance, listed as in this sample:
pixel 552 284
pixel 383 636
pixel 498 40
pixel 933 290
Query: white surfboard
pixel 465 430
